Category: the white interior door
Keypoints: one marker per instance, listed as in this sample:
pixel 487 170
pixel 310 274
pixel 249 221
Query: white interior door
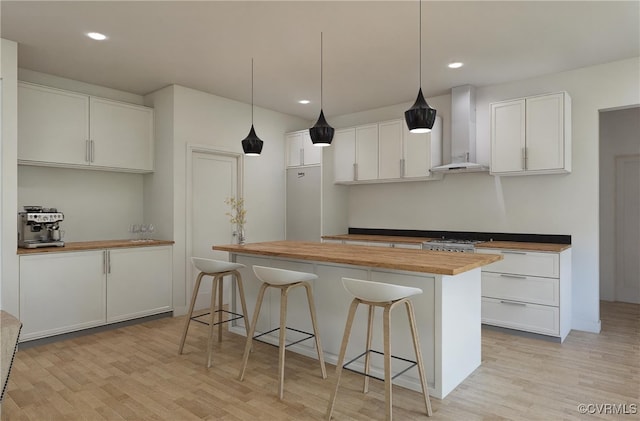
pixel 627 245
pixel 214 177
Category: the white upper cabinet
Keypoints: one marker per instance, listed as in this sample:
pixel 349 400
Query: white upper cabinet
pixel 390 149
pixel 300 149
pixel 421 151
pixel 531 135
pixel 344 155
pixel 122 135
pixel 386 152
pixel 367 152
pixel 53 125
pixel 68 129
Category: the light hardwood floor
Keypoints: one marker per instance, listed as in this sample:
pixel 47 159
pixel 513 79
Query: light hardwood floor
pixel 135 373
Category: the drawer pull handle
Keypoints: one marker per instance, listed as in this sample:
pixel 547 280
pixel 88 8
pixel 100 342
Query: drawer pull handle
pixel 513 276
pixel 514 252
pixel 513 303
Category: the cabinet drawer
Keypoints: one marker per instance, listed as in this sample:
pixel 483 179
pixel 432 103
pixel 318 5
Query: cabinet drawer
pixel 522 316
pixel 529 263
pixel 530 289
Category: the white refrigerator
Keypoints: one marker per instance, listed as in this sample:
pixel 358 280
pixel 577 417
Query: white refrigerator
pixel 304 187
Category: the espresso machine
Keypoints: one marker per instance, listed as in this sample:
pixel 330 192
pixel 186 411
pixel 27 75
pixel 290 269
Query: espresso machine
pixel 39 227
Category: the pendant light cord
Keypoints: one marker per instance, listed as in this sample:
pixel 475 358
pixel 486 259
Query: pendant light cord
pixel 321 85
pixel 252 91
pixel 420 43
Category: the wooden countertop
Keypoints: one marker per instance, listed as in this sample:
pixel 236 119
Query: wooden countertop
pixel 513 245
pixel 516 245
pixel 377 238
pixel 437 262
pixel 96 245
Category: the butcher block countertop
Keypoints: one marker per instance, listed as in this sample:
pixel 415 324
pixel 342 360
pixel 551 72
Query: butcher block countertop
pixel 96 245
pixel 513 245
pixel 437 262
pixel 377 238
pixel 516 245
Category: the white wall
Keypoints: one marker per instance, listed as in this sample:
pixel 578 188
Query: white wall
pixel 549 204
pixel 619 135
pixel 203 119
pixel 97 205
pixel 8 169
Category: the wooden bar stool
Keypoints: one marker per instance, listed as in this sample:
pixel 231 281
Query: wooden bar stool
pixel 284 280
pixel 218 270
pixel 387 296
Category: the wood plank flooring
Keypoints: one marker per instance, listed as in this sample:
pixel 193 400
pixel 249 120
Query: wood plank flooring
pixel 135 373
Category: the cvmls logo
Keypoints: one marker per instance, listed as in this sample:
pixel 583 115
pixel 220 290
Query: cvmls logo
pixel 301 174
pixel 608 408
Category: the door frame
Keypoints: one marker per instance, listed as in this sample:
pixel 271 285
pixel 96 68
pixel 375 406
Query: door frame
pixel 203 149
pixel 616 221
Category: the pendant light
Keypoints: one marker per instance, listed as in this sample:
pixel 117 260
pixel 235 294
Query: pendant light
pixel 420 117
pixel 322 133
pixel 252 145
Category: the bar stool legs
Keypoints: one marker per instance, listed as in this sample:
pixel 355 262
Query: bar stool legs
pixel 284 291
pixel 388 380
pixel 216 292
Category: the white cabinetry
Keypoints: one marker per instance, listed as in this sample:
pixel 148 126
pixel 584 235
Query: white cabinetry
pixel 344 155
pixel 69 291
pixel 300 149
pixel 386 152
pixel 53 125
pixel 367 152
pixel 421 151
pixel 390 149
pixel 121 135
pixel 138 283
pixel 531 135
pixel 61 292
pixel 528 291
pixel 68 129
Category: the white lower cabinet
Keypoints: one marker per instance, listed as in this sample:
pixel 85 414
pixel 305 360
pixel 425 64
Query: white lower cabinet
pixel 61 292
pixel 138 282
pixel 529 291
pixel 70 291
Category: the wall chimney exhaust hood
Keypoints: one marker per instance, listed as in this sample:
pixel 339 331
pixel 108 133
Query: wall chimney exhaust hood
pixel 463 133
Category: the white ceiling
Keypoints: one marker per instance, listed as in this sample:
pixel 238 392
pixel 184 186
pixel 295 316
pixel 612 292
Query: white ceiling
pixel 370 47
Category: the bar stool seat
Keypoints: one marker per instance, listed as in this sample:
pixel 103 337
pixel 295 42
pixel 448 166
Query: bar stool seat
pixel 217 269
pixel 387 296
pixel 284 280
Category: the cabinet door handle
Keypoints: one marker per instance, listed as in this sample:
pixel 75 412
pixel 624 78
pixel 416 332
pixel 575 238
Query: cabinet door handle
pixel 513 276
pixel 355 172
pixel 301 156
pixel 514 252
pixel 91 146
pixel 524 158
pixel 402 168
pixel 515 303
pixel 104 262
pixel 108 261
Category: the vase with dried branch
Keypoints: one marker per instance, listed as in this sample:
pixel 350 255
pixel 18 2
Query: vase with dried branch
pixel 237 216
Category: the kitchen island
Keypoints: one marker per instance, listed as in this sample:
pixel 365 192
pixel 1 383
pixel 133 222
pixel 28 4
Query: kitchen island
pixel 448 311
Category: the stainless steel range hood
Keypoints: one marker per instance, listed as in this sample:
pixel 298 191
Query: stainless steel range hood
pixel 463 133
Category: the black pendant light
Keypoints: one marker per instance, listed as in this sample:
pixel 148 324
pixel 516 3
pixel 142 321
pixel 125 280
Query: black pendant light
pixel 420 117
pixel 321 134
pixel 252 145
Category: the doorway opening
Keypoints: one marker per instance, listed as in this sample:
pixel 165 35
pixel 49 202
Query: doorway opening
pixel 620 205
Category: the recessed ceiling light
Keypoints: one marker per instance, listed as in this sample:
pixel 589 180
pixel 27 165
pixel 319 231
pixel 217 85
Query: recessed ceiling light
pixel 97 36
pixel 304 101
pixel 455 65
